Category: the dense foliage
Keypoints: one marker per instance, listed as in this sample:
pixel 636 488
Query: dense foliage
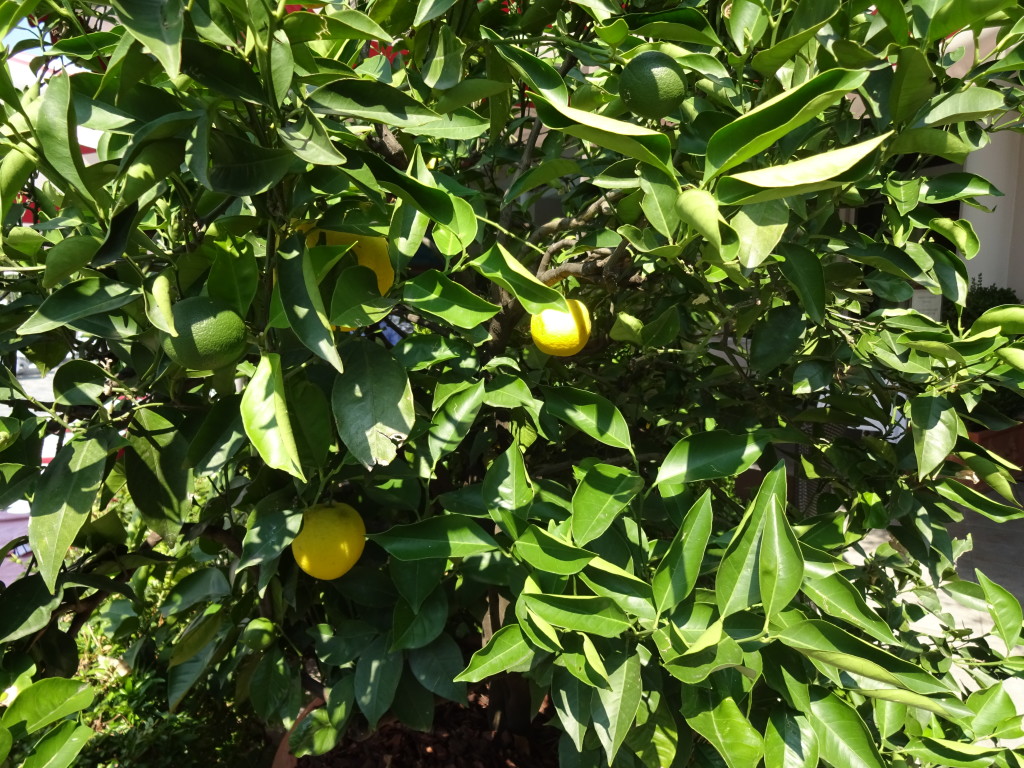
pixel 662 534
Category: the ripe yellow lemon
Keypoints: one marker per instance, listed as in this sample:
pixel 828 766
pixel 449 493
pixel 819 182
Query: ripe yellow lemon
pixel 370 252
pixel 211 335
pixel 652 85
pixel 330 542
pixel 561 333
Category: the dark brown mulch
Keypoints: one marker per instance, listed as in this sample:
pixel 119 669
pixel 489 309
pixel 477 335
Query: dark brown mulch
pixel 461 738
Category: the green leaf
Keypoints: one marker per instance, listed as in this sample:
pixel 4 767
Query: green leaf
pixel 1008 318
pixel 759 228
pixel 265 417
pixel 1004 609
pixel 56 130
pixel 26 606
pixel 68 256
pixel 964 106
pixel 158 25
pixel 960 494
pixel 303 305
pixel 507 651
pixel 60 747
pixel 426 10
pixel 544 173
pixel 64 500
pixel 572 700
pixel 234 278
pixel 437 294
pixel 603 493
pixel 737 584
pixel 47 701
pixel 913 85
pixel 593 615
pixel 770 60
pixel 416 627
pixel 307 137
pixel 624 138
pixel 590 413
pixel 780 565
pixel 953 754
pixel 709 455
pixel 436 667
pixel 501 267
pixel 810 174
pixel 507 491
pixel 540 76
pixel 719 719
pixel 789 741
pixel 453 420
pixel 240 168
pixel 372 403
pixel 843 739
pixel 839 598
pixel 378 672
pixel 758 129
pixel 952 16
pixel 6 741
pixel 200 586
pixel 442 68
pixel 371 100
pixel 83 298
pixel 677 574
pixel 268 532
pixel 155 467
pixel 79 382
pixel 829 644
pixel 614 708
pixel 802 268
pixel 777 338
pixel 340 24
pixel 935 425
pixel 441 536
pixel 549 553
pixel 15 170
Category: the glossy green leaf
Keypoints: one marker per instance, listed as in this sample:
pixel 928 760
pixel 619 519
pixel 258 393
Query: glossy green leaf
pixel 590 413
pixel 64 500
pixel 26 606
pixel 158 25
pixel 780 565
pixel 572 701
pixel 829 644
pixel 614 708
pixel 839 598
pixel 759 228
pixel 506 651
pixel 303 305
pixel 436 294
pixel 46 701
pixel 56 130
pixel 777 338
pixel 1004 609
pixel 440 536
pixel 501 267
pixel 453 420
pixel 719 719
pixel 593 615
pixel 761 127
pixel 378 672
pixel 60 747
pixel 1008 318
pixel 544 173
pixel 935 425
pixel 155 467
pixel 372 403
pixel 507 491
pixel 197 587
pixel 709 455
pixel 68 256
pixel 789 741
pixel 83 298
pixel 265 417
pixel 913 84
pixel 677 574
pixel 803 269
pixel 843 739
pixel 737 584
pixel 435 667
pixel 549 553
pixel 416 627
pixel 602 495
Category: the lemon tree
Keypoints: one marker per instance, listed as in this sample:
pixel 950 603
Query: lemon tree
pixel 640 412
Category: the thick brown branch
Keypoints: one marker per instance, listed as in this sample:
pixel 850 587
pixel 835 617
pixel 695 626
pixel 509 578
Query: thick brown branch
pixel 386 145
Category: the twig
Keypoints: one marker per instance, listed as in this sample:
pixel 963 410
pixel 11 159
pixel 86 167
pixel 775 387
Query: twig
pixel 386 145
pixel 545 260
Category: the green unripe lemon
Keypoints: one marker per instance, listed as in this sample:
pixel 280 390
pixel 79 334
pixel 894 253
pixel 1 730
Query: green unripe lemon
pixel 211 335
pixel 258 634
pixel 652 85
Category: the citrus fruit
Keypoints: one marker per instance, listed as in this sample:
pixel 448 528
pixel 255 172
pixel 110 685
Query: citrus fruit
pixel 652 84
pixel 258 634
pixel 211 335
pixel 560 333
pixel 330 542
pixel 370 252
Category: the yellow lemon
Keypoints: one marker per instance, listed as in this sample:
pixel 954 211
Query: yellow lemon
pixel 370 252
pixel 561 333
pixel 330 542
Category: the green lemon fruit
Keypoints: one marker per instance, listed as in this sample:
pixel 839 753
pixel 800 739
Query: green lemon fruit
pixel 211 335
pixel 652 85
pixel 258 634
pixel 330 542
